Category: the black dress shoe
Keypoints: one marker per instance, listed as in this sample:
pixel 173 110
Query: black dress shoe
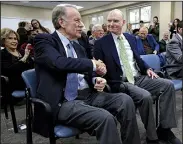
pixel 168 136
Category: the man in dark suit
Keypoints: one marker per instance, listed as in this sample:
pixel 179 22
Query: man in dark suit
pixel 146 44
pixel 174 53
pixel 65 82
pixel 127 72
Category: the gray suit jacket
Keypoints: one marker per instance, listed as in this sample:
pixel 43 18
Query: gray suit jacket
pixel 174 55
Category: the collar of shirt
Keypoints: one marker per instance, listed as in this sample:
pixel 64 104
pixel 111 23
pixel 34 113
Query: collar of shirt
pixel 65 41
pixel 179 36
pixel 115 37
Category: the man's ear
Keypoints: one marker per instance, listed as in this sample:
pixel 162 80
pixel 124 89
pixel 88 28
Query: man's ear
pixel 62 22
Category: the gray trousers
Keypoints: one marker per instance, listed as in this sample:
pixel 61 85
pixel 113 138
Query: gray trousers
pixel 141 93
pixel 96 114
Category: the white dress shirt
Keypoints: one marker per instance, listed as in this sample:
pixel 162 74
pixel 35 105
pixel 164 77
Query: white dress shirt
pixel 129 54
pixel 82 82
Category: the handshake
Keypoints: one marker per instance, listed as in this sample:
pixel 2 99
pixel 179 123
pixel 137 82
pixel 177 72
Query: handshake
pixel 100 67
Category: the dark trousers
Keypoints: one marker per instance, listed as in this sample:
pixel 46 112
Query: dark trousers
pixel 96 114
pixel 141 93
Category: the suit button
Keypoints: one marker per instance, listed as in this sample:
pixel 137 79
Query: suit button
pixel 121 76
pixel 59 104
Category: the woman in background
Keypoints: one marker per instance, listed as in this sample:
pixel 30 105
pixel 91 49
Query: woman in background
pixel 38 27
pixel 173 28
pixel 12 62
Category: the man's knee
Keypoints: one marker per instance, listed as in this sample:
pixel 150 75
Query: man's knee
pixel 127 102
pixel 147 97
pixel 106 116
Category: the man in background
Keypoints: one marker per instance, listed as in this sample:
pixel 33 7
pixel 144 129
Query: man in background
pixel 174 54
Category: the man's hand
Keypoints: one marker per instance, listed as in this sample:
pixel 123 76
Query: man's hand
pixel 151 74
pixel 100 84
pixel 100 67
pixel 155 52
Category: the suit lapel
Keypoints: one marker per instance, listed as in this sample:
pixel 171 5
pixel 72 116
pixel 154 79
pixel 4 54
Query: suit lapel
pixel 79 50
pixel 61 47
pixel 113 49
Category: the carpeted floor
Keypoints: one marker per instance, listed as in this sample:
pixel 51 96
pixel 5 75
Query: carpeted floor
pixel 9 137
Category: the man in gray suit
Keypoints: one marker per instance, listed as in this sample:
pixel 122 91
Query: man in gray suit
pixel 174 53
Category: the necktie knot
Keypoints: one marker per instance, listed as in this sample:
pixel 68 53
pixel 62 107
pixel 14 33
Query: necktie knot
pixel 120 38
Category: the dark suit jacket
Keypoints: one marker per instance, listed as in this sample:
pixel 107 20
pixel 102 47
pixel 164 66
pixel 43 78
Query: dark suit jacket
pixel 105 50
pixel 83 41
pixel 12 67
pixel 174 55
pixel 151 41
pixel 52 67
pixel 162 44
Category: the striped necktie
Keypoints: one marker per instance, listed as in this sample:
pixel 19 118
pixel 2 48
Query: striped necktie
pixel 72 79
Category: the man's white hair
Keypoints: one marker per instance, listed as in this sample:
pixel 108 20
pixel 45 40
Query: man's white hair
pixel 96 27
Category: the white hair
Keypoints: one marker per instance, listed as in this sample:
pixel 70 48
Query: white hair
pixel 117 11
pixel 96 27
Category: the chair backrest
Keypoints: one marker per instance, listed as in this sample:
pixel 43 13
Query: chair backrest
pixel 152 60
pixel 30 80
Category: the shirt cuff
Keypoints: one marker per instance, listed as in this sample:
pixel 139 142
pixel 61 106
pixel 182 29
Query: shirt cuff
pixel 94 66
pixel 94 80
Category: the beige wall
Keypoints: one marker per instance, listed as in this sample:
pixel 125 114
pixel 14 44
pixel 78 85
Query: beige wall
pixel 25 12
pixel 177 10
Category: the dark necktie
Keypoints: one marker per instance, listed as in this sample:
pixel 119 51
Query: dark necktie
pixel 72 79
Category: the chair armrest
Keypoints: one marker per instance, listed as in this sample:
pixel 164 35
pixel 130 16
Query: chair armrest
pixel 160 73
pixel 42 103
pixel 107 88
pixel 169 66
pixel 5 78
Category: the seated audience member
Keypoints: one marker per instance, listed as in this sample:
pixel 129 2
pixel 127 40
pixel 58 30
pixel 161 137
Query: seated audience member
pixel 38 27
pixel 154 28
pixel 65 82
pixel 30 42
pixel 163 42
pixel 104 27
pixel 89 32
pixel 97 32
pixel 173 28
pixel 128 73
pixel 12 62
pixel 174 53
pixel 146 44
pixel 129 28
pixel 24 30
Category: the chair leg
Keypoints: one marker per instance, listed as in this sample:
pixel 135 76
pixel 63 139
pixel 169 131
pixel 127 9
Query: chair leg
pixel 13 118
pixel 6 111
pixel 157 112
pixel 52 140
pixel 77 136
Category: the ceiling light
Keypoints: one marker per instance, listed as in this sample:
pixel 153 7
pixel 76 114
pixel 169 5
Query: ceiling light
pixel 78 7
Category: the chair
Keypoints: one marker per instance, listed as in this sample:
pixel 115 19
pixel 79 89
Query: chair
pixel 153 61
pixel 8 100
pixel 55 132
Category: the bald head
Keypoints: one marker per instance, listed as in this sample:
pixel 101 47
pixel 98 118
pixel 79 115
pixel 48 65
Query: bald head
pixel 144 29
pixel 143 32
pixel 115 21
pixel 116 11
